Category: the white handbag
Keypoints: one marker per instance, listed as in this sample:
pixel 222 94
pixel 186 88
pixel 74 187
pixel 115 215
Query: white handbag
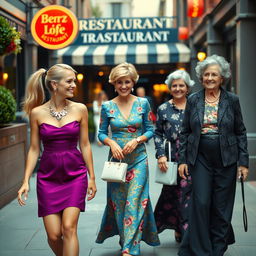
pixel 170 176
pixel 114 171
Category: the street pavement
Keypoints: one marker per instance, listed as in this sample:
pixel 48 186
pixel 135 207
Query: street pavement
pixel 22 232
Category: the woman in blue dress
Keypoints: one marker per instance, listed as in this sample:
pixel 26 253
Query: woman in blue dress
pixel 128 211
pixel 171 211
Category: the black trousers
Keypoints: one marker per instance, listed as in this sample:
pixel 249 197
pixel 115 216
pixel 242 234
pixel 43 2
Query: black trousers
pixel 213 193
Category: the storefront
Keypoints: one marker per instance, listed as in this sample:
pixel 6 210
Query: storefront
pixel 150 43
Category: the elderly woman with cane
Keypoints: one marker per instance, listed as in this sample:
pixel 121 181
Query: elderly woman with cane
pixel 213 146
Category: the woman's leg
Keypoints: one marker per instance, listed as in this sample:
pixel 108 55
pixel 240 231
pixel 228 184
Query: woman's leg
pixel 52 224
pixel 69 230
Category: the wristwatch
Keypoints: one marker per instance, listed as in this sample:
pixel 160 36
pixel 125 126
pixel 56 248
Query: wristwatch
pixel 138 140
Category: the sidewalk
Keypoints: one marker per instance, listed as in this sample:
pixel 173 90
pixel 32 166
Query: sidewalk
pixel 22 232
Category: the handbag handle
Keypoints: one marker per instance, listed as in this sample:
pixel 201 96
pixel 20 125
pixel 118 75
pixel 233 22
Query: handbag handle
pixel 244 209
pixel 169 149
pixel 120 161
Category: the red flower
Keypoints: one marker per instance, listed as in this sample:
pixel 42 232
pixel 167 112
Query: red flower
pixel 139 109
pixel 151 116
pixel 130 175
pixel 128 221
pixel 111 111
pixel 141 225
pixel 112 204
pixel 144 203
pixel 11 47
pixel 127 202
pixel 108 228
pixel 132 129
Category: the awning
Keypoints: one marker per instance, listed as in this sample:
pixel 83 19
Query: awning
pixel 133 53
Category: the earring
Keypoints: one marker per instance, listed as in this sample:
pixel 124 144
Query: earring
pixel 115 90
pixel 132 89
pixel 55 91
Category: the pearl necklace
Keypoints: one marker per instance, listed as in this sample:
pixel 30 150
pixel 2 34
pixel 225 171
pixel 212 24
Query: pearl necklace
pixel 213 101
pixel 58 114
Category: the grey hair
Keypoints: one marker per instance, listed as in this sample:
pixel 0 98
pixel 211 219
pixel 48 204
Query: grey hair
pixel 214 60
pixel 179 74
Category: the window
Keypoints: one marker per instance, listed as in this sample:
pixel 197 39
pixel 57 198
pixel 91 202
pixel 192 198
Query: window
pixel 162 8
pixel 116 10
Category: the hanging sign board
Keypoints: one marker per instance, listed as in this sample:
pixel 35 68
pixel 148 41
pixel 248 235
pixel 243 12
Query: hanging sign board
pixel 54 27
pixel 146 30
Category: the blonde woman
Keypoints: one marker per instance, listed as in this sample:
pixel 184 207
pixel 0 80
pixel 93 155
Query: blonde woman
pixel 62 180
pixel 128 212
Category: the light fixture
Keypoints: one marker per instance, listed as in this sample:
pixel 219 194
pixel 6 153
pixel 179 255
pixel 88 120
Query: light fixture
pixel 183 33
pixel 201 56
pixel 5 76
pixel 101 73
pixel 80 77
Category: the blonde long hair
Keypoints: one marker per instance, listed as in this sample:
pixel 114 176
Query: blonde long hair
pixel 35 95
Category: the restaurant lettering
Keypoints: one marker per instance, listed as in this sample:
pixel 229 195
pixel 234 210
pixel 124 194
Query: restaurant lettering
pixel 54 27
pixel 127 30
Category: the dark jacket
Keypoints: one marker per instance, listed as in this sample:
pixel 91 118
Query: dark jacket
pixel 232 132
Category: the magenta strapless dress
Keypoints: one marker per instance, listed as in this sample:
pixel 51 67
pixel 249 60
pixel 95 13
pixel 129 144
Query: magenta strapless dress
pixel 62 174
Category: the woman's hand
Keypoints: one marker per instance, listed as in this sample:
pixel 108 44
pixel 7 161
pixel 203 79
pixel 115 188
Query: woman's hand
pixel 91 191
pixel 162 163
pixel 23 190
pixel 130 146
pixel 183 169
pixel 243 171
pixel 116 150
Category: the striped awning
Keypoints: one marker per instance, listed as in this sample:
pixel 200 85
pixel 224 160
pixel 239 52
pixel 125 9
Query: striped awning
pixel 133 53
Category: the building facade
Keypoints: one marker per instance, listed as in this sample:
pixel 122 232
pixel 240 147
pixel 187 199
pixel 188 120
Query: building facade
pixel 19 13
pixel 228 28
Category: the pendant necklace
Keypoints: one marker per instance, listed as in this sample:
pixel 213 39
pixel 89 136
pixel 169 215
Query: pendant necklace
pixel 58 114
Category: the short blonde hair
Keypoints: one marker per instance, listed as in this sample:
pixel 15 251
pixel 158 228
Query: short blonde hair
pixel 122 70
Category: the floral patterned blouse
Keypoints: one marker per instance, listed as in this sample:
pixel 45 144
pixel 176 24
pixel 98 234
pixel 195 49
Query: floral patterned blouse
pixel 210 124
pixel 168 125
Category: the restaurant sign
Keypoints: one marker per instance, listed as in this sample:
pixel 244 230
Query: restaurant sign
pixel 54 27
pixel 100 31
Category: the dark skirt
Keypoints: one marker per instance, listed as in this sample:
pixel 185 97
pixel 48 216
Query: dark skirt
pixel 171 210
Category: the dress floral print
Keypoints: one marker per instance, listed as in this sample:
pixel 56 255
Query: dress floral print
pixel 171 211
pixel 128 212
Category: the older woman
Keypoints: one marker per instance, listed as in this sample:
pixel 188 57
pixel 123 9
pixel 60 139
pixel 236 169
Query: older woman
pixel 172 207
pixel 128 212
pixel 213 145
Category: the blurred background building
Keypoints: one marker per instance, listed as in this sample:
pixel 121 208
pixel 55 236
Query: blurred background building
pixel 198 28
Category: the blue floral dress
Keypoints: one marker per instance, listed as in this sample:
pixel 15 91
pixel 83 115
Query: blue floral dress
pixel 171 211
pixel 128 212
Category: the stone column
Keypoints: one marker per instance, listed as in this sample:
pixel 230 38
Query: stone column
pixel 214 40
pixel 246 55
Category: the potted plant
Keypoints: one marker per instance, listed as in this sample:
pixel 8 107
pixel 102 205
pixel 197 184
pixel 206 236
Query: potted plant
pixel 13 138
pixel 7 106
pixel 9 42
